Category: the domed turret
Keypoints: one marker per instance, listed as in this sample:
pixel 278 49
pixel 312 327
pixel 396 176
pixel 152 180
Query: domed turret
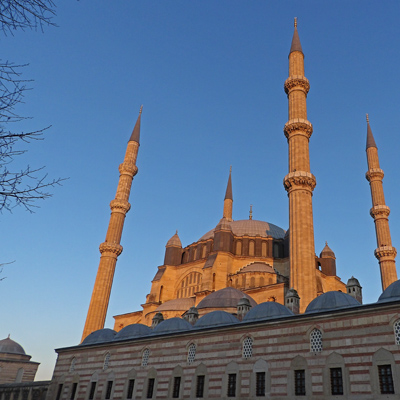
pixel 11 347
pixel 243 307
pixel 173 251
pixel 327 261
pixel 223 236
pixel 327 252
pixel 354 289
pixel 292 301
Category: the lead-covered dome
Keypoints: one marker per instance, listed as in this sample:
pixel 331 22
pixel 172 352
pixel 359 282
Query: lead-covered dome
pixel 224 298
pixel 99 336
pixel 9 346
pixel 132 331
pixel 331 301
pixel 251 227
pixel 267 310
pixel 216 318
pixel 391 293
pixel 172 325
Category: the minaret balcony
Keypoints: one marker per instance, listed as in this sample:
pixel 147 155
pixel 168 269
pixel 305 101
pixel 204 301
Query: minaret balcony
pixel 378 212
pixel 299 180
pixel 374 174
pixel 384 253
pixel 296 82
pixel 298 126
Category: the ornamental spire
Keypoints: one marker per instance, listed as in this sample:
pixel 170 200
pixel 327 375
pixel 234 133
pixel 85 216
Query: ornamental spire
pixel 228 201
pixel 296 45
pixel 135 137
pixel 370 136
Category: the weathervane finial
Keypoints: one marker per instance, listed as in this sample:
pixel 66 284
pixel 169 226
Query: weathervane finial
pixel 295 22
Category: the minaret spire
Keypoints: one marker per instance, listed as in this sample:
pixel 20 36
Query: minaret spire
pixel 111 248
pixel 228 201
pixel 299 182
pixel 385 252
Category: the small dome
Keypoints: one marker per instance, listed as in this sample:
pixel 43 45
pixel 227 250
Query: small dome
pixel 327 252
pixel 391 293
pixel 258 267
pixel 251 227
pixel 99 336
pixel 172 325
pixel 176 304
pixel 223 225
pixel 9 346
pixel 331 301
pixel 267 310
pixel 132 331
pixel 174 241
pixel 224 298
pixel 216 318
pixel 353 282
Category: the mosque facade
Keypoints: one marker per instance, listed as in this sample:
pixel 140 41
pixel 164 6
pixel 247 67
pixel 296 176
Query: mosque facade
pixel 248 310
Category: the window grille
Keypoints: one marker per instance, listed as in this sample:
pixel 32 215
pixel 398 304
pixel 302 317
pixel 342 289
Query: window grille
pixel 200 386
pixel 106 361
pixel 109 389
pixel 300 382
pixel 191 353
pixel 145 357
pixel 231 385
pixel 316 341
pixel 177 386
pixel 336 381
pixel 92 390
pixel 59 392
pixel 72 366
pixel 386 379
pixel 260 384
pixel 247 347
pixel 396 328
pixel 131 385
pixel 150 388
pixel 73 391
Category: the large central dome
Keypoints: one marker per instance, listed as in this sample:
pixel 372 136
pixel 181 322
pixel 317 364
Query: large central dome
pixel 251 227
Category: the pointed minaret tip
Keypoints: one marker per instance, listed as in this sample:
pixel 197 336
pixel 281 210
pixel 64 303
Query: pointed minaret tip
pixel 370 136
pixel 228 193
pixel 135 137
pixel 251 212
pixel 296 45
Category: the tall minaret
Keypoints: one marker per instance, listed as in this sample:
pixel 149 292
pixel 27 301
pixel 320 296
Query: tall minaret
pixel 299 182
pixel 385 253
pixel 228 201
pixel 111 248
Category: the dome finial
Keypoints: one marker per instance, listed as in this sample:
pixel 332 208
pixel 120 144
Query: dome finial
pixel 251 212
pixel 295 22
pixel 141 109
pixel 367 117
pixel 326 243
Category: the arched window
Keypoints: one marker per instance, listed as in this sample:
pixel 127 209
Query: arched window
pixel 262 281
pixel 251 248
pixel 189 285
pixel 264 249
pixel 252 282
pixel 247 350
pixel 204 251
pixel 396 327
pixel 145 357
pixel 191 353
pixel 239 248
pixel 20 374
pixel 315 341
pixel 161 293
pixel 72 365
pixel 106 361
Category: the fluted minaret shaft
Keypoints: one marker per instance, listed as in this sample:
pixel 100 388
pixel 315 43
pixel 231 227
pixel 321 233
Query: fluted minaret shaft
pixel 385 252
pixel 299 182
pixel 110 249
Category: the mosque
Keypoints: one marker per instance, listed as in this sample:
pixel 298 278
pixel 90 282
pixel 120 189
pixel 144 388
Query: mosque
pixel 249 310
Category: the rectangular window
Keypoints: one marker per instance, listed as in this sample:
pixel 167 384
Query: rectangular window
pixel 231 385
pixel 260 384
pixel 386 379
pixel 92 390
pixel 336 381
pixel 300 382
pixel 131 385
pixel 109 388
pixel 200 386
pixel 150 388
pixel 177 386
pixel 73 391
pixel 59 392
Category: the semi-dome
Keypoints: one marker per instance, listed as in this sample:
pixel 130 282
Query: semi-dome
pixel 251 227
pixel 182 304
pixel 99 336
pixel 391 293
pixel 267 310
pixel 216 318
pixel 331 301
pixel 258 267
pixel 11 347
pixel 133 331
pixel 172 325
pixel 224 298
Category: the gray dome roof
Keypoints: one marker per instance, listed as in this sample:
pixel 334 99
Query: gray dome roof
pixel 258 267
pixel 172 325
pixel 353 282
pixel 133 331
pixel 331 301
pixel 267 310
pixel 251 227
pixel 224 298
pixel 176 304
pixel 99 336
pixel 391 293
pixel 9 346
pixel 216 318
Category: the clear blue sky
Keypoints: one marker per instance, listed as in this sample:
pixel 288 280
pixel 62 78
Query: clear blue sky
pixel 210 75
